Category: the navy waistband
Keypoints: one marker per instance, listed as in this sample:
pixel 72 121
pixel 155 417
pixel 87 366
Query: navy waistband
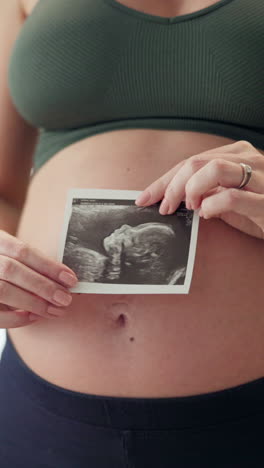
pixel 184 412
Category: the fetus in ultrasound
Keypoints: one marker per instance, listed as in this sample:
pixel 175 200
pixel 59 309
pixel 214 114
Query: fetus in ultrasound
pixel 142 254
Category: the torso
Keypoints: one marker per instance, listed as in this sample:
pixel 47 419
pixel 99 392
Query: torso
pixel 169 345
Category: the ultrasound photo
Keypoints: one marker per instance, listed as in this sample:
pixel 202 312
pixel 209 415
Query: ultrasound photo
pixel 116 247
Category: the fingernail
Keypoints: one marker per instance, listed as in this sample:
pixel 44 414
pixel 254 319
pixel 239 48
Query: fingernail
pixel 33 317
pixel 143 198
pixel 56 312
pixel 164 207
pixel 62 298
pixel 68 279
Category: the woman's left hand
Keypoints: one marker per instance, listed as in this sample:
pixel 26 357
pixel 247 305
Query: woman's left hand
pixel 209 181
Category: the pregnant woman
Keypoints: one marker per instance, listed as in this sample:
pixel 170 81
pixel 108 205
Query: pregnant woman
pixel 165 98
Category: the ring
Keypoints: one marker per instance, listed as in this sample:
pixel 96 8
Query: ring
pixel 247 173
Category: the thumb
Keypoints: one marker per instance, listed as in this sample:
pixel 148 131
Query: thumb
pixel 17 318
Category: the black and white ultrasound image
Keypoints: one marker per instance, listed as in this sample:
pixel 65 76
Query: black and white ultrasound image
pixel 116 242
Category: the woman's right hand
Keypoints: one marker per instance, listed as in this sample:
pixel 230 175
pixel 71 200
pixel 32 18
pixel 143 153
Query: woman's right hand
pixel 28 282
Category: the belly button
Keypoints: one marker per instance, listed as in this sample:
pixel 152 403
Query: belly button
pixel 121 320
pixel 119 311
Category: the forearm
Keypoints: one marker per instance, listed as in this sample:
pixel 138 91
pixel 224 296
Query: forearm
pixel 9 216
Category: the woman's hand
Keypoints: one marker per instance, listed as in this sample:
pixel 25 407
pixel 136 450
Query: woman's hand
pixel 28 282
pixel 208 181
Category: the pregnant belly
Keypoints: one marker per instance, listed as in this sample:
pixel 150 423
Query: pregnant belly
pixel 145 345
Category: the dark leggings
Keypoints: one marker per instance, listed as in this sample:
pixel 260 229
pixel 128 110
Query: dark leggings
pixel 46 426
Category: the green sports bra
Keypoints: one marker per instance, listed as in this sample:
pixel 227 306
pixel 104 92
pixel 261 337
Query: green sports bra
pixel 83 67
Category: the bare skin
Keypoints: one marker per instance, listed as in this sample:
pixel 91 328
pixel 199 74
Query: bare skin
pixel 146 345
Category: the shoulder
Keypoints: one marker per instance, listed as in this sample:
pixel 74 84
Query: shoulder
pixel 27 6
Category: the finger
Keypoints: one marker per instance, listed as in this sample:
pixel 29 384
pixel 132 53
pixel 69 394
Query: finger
pixel 176 178
pixel 28 279
pixel 164 184
pixel 176 189
pixel 248 204
pixel 218 172
pixel 16 319
pixel 12 296
pixel 32 257
pixel 155 191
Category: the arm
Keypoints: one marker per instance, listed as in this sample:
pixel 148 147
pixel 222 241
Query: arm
pixel 29 292
pixel 18 138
